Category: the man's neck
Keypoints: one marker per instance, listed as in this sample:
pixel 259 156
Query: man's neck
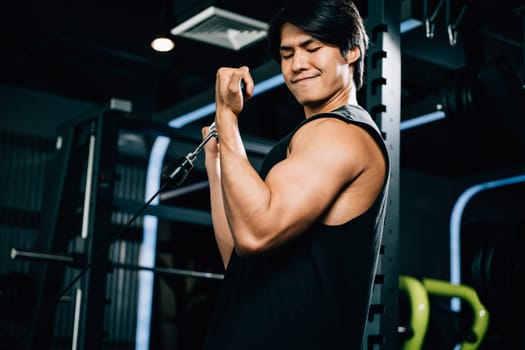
pixel 311 110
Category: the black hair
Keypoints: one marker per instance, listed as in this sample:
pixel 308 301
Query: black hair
pixel 335 22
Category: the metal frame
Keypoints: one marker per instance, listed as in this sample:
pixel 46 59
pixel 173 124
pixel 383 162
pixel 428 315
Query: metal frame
pixel 79 205
pixel 79 208
pixel 383 100
pixel 92 139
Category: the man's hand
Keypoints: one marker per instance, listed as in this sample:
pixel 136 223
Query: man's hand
pixel 211 149
pixel 228 92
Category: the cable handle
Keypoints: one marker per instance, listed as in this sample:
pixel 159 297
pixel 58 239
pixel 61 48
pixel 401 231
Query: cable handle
pixel 212 133
pixel 178 174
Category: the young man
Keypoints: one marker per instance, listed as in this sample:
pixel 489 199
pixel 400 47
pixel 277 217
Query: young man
pixel 300 238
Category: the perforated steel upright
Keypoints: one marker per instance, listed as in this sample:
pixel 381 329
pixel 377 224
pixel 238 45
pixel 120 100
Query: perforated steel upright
pixel 383 100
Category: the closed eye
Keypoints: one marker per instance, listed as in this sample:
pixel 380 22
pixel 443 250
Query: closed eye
pixel 289 55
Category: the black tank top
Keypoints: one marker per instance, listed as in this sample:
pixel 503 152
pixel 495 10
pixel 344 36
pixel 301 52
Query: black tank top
pixel 312 292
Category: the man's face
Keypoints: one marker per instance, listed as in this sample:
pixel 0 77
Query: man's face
pixel 314 71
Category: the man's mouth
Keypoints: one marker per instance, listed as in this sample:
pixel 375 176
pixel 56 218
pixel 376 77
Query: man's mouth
pixel 299 79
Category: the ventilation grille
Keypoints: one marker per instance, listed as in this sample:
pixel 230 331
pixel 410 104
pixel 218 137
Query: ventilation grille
pixel 222 28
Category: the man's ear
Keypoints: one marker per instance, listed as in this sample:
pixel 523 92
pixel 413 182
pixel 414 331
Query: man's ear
pixel 353 55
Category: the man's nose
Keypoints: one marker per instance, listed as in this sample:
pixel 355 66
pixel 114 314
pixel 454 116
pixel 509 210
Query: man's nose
pixel 299 60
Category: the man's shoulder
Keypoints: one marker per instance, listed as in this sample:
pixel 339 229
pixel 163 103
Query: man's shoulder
pixel 327 133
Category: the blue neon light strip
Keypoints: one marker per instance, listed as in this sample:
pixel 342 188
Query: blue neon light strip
pixel 192 116
pixel 149 245
pixel 268 84
pixel 210 108
pixel 409 24
pixel 421 120
pixel 455 226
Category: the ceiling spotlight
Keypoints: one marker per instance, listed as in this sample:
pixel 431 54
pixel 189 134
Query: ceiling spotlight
pixel 162 44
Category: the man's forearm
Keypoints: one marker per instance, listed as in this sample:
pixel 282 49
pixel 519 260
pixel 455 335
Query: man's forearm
pixel 221 228
pixel 245 194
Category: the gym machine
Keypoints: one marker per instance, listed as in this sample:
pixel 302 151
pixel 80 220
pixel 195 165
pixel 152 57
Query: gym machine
pixel 78 208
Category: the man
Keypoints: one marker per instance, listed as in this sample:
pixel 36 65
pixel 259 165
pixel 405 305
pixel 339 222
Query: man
pixel 300 238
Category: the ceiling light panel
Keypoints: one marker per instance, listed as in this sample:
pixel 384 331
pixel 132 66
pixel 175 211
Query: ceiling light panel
pixel 223 28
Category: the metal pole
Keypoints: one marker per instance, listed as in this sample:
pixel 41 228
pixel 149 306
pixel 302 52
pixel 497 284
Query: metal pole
pixel 383 100
pixel 70 260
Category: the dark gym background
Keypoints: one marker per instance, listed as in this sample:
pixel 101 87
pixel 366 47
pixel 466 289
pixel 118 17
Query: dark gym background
pixel 69 70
